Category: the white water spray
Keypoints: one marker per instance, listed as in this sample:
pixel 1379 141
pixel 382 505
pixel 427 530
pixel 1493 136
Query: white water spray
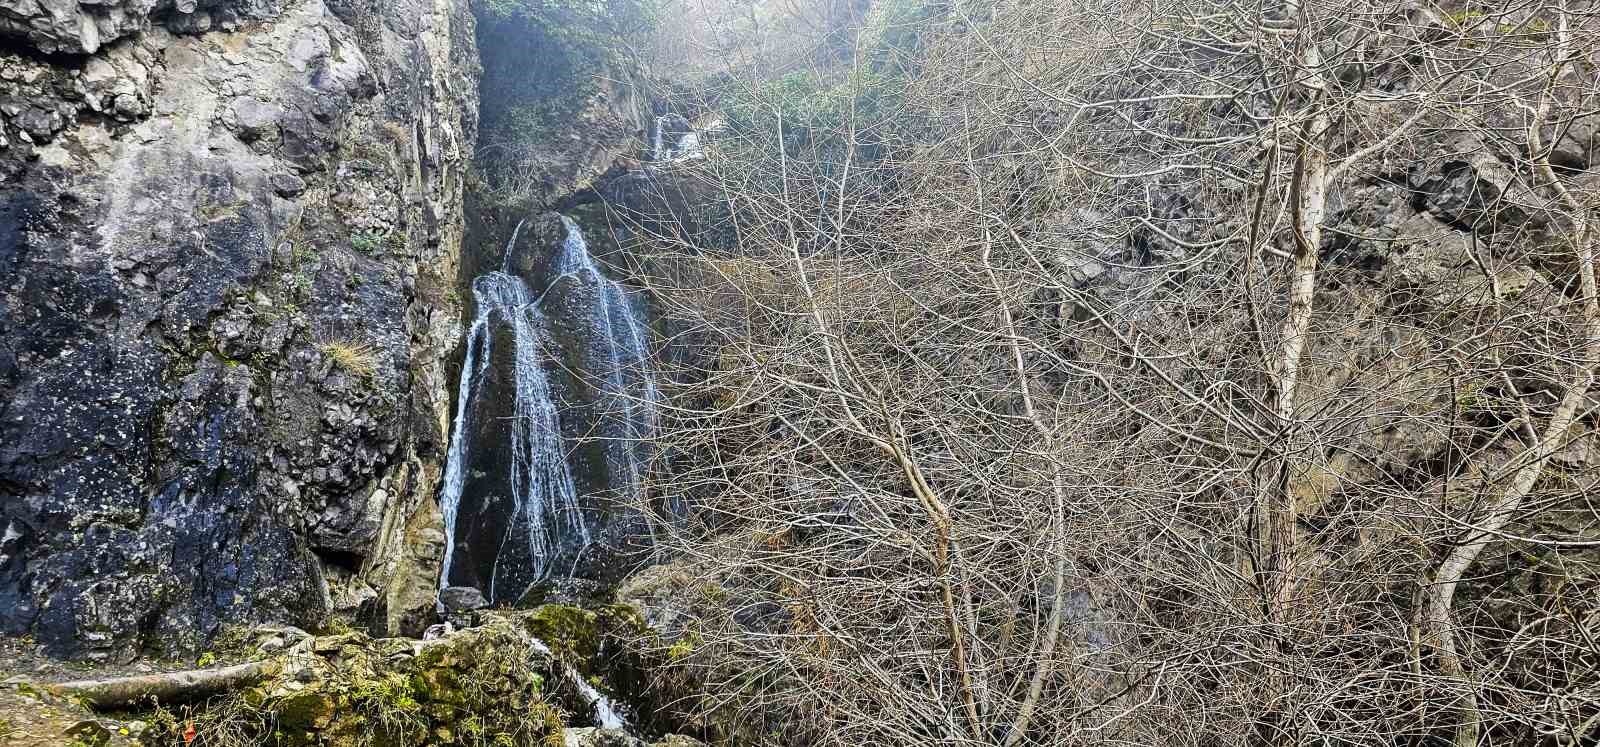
pixel 629 389
pixel 546 513
pixel 686 147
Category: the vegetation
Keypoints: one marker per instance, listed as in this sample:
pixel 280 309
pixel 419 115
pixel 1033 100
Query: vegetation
pixel 366 242
pixel 355 357
pixel 478 692
pixel 1114 373
pixel 577 48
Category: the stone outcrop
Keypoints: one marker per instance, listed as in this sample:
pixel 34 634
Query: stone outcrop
pixel 596 737
pixel 496 683
pixel 545 676
pixel 80 27
pixel 227 243
pixel 548 136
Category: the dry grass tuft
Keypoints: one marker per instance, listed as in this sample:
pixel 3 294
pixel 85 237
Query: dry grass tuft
pixel 396 133
pixel 359 358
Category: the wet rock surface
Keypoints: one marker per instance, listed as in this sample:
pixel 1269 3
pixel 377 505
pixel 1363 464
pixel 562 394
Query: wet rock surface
pixel 457 599
pixel 559 405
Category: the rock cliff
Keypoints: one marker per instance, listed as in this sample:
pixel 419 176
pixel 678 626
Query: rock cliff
pixel 229 237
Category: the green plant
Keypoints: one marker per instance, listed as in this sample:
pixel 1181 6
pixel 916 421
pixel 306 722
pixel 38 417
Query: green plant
pixel 684 647
pixel 391 703
pixel 367 155
pixel 577 46
pixel 1464 18
pixel 299 285
pixel 482 691
pixel 303 252
pixel 810 109
pixel 366 242
pixel 214 211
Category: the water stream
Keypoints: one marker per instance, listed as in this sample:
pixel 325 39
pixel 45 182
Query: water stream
pixel 627 389
pixel 606 713
pixel 513 496
pixel 686 145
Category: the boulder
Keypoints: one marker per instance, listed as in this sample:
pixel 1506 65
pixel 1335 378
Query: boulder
pixel 596 737
pixel 457 599
pixel 1464 184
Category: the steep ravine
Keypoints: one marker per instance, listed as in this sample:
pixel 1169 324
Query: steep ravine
pixel 239 247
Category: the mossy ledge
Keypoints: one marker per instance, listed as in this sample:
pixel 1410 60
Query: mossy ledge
pixel 482 686
pixel 496 684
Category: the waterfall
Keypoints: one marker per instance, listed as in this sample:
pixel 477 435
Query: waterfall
pixel 687 145
pixel 658 152
pixel 606 713
pixel 627 390
pixel 509 460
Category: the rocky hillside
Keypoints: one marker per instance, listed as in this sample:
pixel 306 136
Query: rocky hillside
pixel 1175 373
pixel 1021 372
pixel 229 234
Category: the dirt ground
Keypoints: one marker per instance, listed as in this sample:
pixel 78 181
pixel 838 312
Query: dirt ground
pixel 31 717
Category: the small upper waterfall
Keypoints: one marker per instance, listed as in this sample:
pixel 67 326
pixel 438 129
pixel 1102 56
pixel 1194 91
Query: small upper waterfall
pixel 555 407
pixel 674 139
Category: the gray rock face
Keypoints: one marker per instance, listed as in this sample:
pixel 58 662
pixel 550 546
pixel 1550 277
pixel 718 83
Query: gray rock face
pixel 462 599
pixel 223 314
pixel 68 26
pixel 596 737
pixel 1465 185
pixel 85 26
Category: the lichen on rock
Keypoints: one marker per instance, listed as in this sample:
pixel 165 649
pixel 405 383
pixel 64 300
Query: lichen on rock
pixel 196 213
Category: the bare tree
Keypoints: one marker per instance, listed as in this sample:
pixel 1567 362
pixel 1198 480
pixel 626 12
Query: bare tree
pixel 1176 373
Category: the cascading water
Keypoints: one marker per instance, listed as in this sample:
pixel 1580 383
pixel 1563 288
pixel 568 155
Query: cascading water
pixel 627 391
pixel 658 151
pixel 516 494
pixel 606 713
pixel 682 144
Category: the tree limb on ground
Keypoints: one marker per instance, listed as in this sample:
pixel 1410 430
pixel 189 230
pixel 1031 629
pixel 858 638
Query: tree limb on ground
pixel 166 687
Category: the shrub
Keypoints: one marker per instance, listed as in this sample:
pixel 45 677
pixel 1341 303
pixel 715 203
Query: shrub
pixel 366 242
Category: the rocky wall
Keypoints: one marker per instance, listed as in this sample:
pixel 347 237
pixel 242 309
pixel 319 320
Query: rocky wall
pixel 228 244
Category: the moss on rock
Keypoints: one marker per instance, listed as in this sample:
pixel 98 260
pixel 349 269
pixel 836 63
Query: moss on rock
pixel 483 686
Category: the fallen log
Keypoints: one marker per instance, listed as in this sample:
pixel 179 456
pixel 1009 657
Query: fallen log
pixel 165 687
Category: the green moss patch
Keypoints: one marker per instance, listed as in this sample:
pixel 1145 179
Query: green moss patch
pixel 479 688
